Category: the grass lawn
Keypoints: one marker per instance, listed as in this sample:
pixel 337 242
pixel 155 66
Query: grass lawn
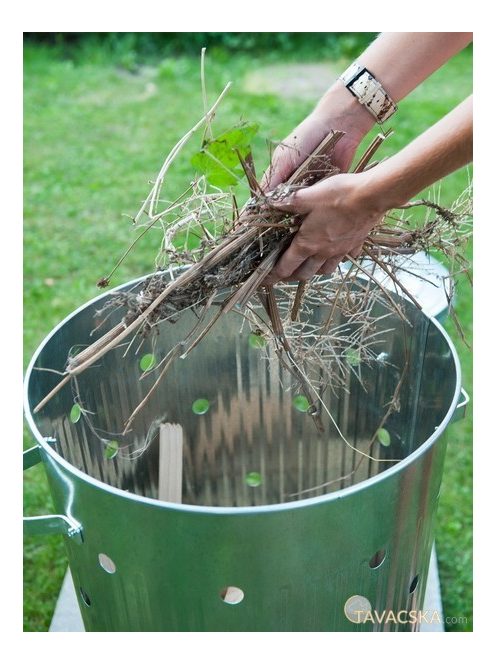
pixel 95 134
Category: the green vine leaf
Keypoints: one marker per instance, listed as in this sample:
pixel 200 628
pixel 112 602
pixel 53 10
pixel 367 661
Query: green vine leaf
pixel 75 414
pixel 111 449
pixel 384 437
pixel 218 159
pixel 301 403
pixel 353 356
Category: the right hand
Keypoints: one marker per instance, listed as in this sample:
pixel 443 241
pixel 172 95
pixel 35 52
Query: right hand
pixel 337 215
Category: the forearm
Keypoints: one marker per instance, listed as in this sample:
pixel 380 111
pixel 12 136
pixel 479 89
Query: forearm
pixel 400 61
pixel 339 212
pixel 440 150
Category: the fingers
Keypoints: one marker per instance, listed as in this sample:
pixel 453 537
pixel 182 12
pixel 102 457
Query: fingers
pixel 285 161
pixel 293 150
pixel 296 265
pixel 298 202
pixel 272 177
pixel 330 265
pixel 305 271
pixel 308 268
pixel 356 251
pixel 289 262
pixel 279 171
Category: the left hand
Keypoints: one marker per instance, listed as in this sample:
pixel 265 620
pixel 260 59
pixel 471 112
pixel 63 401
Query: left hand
pixel 339 213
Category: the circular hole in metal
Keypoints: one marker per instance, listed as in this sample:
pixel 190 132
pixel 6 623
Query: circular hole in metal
pixel 377 559
pixel 356 608
pixel 231 595
pixel 84 596
pixel 414 584
pixel 107 563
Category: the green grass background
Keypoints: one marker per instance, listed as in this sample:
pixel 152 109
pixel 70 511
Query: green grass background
pixel 94 137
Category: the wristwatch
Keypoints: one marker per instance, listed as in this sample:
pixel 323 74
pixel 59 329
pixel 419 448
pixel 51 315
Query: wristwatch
pixel 369 92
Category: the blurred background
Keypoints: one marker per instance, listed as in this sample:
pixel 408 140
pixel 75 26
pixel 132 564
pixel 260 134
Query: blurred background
pixel 101 111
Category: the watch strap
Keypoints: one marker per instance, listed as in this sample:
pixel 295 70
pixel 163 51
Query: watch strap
pixel 369 92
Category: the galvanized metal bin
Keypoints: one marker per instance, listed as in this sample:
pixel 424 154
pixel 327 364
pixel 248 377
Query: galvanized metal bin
pixel 427 279
pixel 250 548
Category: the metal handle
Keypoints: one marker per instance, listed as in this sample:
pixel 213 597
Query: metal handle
pixel 49 523
pixel 461 407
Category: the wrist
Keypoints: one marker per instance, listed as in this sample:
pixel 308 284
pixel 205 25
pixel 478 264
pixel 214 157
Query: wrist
pixel 339 109
pixel 382 189
pixel 355 194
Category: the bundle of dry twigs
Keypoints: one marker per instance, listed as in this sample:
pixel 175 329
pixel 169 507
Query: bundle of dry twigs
pixel 233 264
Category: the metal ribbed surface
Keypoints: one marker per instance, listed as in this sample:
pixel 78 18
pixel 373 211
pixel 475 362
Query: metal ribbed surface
pixel 251 425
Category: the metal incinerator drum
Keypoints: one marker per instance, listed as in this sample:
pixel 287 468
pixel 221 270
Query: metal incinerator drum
pixel 270 525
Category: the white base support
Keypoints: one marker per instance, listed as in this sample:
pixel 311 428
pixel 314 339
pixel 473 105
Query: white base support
pixel 433 600
pixel 67 616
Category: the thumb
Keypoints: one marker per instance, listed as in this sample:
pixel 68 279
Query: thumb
pixel 282 166
pixel 297 202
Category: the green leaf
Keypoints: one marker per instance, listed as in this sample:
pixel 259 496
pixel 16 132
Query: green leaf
pixel 301 403
pixel 111 449
pixel 200 406
pixel 353 356
pixel 253 479
pixel 147 362
pixel 218 159
pixel 257 340
pixel 75 414
pixel 383 437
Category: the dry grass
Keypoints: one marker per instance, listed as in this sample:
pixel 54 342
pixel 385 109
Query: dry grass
pixel 236 252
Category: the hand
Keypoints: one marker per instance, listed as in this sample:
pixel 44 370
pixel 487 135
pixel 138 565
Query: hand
pixel 338 110
pixel 339 213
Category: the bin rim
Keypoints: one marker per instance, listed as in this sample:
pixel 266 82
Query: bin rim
pixel 246 510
